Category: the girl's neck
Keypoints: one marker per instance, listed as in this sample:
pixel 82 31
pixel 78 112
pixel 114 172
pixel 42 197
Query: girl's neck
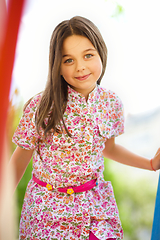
pixel 84 93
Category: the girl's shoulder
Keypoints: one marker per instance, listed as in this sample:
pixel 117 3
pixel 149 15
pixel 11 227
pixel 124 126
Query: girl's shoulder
pixel 110 113
pixel 33 102
pixel 107 95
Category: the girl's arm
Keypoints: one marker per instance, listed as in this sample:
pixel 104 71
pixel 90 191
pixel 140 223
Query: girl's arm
pixel 122 155
pixel 19 162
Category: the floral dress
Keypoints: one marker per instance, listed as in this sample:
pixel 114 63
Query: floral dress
pixel 63 161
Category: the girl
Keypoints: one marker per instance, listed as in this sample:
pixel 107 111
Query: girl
pixel 68 129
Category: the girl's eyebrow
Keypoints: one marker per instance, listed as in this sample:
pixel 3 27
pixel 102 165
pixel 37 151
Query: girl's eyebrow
pixel 87 50
pixel 90 49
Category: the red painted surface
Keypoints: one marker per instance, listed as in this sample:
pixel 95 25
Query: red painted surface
pixel 8 40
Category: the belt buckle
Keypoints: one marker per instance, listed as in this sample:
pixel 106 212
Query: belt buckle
pixel 49 187
pixel 70 191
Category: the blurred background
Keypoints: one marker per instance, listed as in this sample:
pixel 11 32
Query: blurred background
pixel 130 30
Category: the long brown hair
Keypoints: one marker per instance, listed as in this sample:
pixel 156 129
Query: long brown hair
pixel 54 97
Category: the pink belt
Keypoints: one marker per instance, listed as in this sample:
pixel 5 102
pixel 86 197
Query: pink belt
pixel 84 187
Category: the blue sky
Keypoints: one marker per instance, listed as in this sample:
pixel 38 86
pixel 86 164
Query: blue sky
pixel 132 40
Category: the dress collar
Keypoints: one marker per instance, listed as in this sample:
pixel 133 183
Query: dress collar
pixel 74 94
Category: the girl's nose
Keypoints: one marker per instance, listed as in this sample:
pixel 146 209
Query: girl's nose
pixel 80 66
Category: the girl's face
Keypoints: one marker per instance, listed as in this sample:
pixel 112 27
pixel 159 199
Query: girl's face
pixel 81 64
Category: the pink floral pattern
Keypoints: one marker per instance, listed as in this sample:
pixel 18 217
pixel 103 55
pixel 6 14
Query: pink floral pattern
pixel 63 161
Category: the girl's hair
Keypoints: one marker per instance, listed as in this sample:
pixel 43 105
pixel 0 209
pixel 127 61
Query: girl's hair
pixel 54 97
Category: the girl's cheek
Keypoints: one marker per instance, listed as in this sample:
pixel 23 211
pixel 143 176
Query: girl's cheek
pixel 65 72
pixel 97 67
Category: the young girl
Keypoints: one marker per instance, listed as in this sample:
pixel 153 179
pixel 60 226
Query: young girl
pixel 68 129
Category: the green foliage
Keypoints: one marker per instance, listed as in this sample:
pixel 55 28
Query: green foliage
pixel 13 118
pixel 118 9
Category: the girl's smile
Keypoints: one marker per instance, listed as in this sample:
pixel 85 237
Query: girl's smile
pixel 81 78
pixel 81 64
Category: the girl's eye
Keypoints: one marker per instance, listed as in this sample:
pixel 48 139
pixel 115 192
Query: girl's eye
pixel 68 60
pixel 88 55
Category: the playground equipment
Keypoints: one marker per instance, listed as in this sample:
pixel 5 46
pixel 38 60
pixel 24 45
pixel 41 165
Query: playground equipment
pixel 156 220
pixel 8 42
pixel 9 26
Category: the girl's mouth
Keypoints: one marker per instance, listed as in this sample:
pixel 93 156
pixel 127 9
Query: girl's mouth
pixel 81 78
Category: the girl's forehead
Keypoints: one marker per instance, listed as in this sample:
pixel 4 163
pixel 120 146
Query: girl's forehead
pixel 76 42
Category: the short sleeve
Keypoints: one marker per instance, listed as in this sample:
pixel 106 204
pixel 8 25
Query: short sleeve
pixel 26 135
pixel 111 115
pixel 116 115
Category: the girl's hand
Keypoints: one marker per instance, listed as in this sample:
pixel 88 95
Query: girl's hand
pixel 156 160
